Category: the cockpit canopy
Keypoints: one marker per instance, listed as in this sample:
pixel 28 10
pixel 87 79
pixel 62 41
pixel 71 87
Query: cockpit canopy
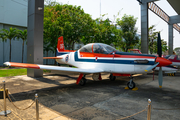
pixel 97 48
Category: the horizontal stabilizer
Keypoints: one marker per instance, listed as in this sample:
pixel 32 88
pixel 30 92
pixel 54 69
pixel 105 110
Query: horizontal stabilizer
pixel 151 67
pixel 52 57
pixel 48 67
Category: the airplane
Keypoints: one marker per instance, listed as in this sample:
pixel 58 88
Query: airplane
pixel 175 59
pixel 97 58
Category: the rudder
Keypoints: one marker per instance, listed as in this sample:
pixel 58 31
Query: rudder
pixel 60 45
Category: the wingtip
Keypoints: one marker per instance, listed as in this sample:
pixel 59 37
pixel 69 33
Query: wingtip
pixel 7 64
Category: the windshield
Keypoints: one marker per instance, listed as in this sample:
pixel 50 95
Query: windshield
pixel 97 48
pixel 102 48
pixel 86 48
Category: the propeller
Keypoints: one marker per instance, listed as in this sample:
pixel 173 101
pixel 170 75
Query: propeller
pixel 159 50
pixel 152 67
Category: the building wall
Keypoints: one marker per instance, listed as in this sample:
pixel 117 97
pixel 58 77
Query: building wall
pixel 14 12
pixel 16 47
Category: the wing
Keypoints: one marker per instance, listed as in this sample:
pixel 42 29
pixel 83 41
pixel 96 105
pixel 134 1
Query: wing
pixel 48 67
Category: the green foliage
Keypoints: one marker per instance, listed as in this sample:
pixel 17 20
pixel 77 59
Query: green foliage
pixel 47 47
pixel 68 21
pixel 12 72
pixel 22 35
pixel 9 34
pixel 153 35
pixel 129 32
pixel 177 50
pixel 103 32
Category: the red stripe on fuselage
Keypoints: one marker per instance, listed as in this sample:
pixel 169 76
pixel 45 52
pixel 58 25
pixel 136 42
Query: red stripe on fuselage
pixel 86 54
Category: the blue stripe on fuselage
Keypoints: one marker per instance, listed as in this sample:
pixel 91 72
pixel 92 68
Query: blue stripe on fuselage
pixel 110 61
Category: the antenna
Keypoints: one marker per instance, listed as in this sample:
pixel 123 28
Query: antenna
pixel 100 8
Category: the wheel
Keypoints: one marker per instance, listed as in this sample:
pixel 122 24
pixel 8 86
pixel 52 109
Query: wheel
pixel 131 85
pixel 83 81
pixel 112 78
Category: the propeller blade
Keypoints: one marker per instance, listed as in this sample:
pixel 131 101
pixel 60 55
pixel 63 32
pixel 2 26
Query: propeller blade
pixel 151 67
pixel 160 77
pixel 159 47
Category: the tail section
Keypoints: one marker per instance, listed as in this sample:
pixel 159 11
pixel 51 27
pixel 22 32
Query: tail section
pixel 60 45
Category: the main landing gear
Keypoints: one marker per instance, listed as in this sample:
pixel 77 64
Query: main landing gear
pixel 130 84
pixel 112 78
pixel 81 80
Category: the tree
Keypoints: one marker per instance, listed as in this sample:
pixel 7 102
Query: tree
pixel 152 39
pixel 177 50
pixel 2 36
pixel 68 21
pixel 129 32
pixel 47 47
pixel 153 35
pixel 22 35
pixel 103 32
pixel 9 34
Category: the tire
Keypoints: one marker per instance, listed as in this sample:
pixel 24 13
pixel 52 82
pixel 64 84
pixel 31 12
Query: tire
pixel 132 85
pixel 112 78
pixel 83 81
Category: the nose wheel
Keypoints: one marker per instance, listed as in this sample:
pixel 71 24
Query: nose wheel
pixel 131 84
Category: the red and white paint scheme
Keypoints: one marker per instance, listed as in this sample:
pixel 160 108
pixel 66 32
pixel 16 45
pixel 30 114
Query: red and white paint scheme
pixel 96 58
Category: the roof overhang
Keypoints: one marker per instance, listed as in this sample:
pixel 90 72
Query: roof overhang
pixel 175 5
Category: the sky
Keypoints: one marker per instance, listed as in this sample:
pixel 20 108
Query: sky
pixel 129 7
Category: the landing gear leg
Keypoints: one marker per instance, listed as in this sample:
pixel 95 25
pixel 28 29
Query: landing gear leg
pixel 131 84
pixel 112 78
pixel 81 80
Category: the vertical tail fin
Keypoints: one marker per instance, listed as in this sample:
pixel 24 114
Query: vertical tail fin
pixel 60 45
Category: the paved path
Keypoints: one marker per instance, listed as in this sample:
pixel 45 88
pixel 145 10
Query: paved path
pixel 60 98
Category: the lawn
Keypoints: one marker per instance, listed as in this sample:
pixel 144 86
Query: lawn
pixel 12 72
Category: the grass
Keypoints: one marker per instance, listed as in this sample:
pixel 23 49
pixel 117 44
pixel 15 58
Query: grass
pixel 12 72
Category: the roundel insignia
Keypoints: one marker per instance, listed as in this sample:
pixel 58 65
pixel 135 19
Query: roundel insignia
pixel 67 58
pixel 96 58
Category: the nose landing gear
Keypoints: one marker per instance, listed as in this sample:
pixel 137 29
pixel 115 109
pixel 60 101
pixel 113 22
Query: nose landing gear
pixel 131 84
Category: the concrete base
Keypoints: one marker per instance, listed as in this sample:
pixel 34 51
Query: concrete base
pixel 5 112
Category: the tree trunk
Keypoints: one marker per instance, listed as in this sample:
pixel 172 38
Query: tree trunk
pixel 22 50
pixel 10 51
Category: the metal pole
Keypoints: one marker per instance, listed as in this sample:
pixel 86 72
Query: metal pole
pixel 4 94
pixel 5 112
pixel 149 110
pixel 37 107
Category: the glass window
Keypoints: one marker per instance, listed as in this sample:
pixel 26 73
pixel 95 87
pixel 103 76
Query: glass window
pixel 86 48
pixel 178 57
pixel 171 57
pixel 102 48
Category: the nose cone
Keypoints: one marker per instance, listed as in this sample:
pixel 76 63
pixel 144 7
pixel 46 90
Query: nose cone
pixel 163 61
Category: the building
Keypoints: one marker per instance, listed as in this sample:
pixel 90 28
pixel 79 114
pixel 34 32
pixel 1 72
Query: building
pixel 13 14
